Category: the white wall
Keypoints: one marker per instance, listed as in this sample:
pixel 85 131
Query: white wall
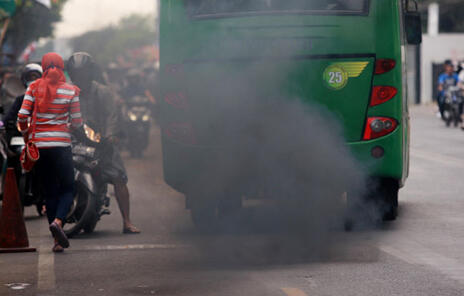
pixel 437 49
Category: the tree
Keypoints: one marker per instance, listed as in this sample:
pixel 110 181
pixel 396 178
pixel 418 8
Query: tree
pixel 31 21
pixel 110 43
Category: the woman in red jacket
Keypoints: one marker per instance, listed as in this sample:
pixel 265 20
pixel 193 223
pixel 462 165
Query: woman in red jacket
pixel 57 108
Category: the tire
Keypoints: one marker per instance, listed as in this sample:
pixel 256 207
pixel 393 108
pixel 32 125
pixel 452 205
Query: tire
pixel 21 181
pixel 136 153
pixel 447 116
pixel 379 204
pixel 358 213
pixel 204 214
pixel 455 116
pixel 386 198
pixel 83 213
pixel 229 207
pixel 90 227
pixel 38 208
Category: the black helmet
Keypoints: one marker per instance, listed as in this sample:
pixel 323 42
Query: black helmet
pixel 28 70
pixel 80 61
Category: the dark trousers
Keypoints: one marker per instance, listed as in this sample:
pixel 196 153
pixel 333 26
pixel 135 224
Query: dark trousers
pixel 56 172
pixel 441 104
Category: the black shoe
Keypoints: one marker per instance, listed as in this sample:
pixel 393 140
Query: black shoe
pixel 59 235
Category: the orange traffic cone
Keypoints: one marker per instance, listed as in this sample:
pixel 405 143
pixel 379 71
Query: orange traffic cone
pixel 13 234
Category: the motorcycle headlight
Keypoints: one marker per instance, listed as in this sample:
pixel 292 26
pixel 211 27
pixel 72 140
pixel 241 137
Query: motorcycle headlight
pixel 132 116
pixel 91 134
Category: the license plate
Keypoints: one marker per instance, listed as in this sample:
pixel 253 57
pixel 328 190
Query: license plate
pixel 83 150
pixel 17 141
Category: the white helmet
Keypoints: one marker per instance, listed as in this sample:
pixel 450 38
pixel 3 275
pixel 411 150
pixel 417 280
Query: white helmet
pixel 30 68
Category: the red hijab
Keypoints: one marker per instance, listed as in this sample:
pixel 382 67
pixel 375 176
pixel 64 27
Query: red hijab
pixel 52 79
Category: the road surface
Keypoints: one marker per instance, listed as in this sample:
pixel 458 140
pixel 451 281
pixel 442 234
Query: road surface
pixel 419 254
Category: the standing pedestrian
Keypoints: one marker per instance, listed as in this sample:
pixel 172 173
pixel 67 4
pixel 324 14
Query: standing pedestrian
pixel 100 111
pixel 55 110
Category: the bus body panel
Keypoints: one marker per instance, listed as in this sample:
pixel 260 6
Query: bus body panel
pixel 306 44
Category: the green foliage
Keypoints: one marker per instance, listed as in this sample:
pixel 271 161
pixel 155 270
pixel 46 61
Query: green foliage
pixel 31 22
pixel 109 43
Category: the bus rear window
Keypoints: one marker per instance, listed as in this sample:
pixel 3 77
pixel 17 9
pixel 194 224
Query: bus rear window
pixel 230 8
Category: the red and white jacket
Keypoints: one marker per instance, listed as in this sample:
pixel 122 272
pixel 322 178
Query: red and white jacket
pixel 53 126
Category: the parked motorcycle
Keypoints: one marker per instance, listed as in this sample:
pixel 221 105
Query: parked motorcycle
pixel 90 199
pixel 452 101
pixel 138 125
pixel 27 182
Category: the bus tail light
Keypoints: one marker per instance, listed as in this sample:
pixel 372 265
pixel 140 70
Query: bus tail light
pixel 384 66
pixel 377 127
pixel 381 94
pixel 181 132
pixel 177 100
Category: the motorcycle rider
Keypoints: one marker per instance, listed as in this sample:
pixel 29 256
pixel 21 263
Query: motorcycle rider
pixel 135 86
pixel 29 74
pixel 448 78
pixel 100 110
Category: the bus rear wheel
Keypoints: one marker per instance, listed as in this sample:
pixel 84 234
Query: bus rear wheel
pixel 203 213
pixel 384 194
pixel 380 203
pixel 209 214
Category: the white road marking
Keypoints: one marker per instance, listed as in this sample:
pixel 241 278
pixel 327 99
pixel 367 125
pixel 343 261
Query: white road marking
pixel 17 286
pixel 46 265
pixel 416 254
pixel 293 292
pixel 131 247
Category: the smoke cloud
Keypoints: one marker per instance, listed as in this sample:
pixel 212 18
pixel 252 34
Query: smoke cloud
pixel 260 139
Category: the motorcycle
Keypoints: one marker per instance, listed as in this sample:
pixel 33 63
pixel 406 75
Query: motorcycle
pixel 90 198
pixel 452 101
pixel 27 182
pixel 138 125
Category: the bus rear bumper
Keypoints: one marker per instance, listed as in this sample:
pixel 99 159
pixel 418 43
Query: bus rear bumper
pixel 182 163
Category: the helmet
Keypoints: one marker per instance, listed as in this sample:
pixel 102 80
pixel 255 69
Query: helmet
pixel 80 61
pixel 28 70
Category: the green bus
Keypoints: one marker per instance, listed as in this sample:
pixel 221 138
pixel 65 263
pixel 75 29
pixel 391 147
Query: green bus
pixel 350 56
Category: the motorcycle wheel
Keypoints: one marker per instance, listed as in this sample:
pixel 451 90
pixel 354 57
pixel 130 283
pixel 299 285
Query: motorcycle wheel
pixel 447 116
pixel 38 208
pixel 83 214
pixel 456 118
pixel 90 227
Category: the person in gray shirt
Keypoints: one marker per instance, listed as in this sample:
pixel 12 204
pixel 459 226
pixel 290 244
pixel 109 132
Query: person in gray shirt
pixel 100 111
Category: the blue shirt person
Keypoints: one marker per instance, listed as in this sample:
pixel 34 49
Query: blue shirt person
pixel 447 78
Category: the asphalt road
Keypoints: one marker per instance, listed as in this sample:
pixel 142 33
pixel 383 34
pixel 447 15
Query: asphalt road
pixel 419 254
